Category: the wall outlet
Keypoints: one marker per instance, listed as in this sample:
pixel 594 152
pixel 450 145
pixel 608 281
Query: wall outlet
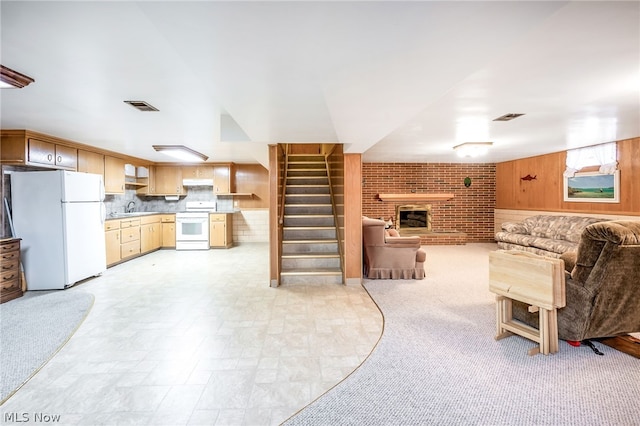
pixel 235 203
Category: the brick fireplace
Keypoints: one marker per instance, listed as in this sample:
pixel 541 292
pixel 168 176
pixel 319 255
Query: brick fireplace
pixel 413 219
pixel 466 217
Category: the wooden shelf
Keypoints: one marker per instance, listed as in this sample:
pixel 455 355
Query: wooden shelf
pixel 235 194
pixel 415 197
pixel 135 184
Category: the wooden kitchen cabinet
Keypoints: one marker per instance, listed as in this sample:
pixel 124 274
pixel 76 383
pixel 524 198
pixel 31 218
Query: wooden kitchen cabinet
pixel 197 172
pixel 11 286
pixel 91 162
pixel 220 230
pixel 168 230
pixel 147 183
pixel 223 181
pixel 52 155
pixel 129 237
pixel 34 149
pixel 112 241
pixel 169 180
pixel 150 233
pixel 113 175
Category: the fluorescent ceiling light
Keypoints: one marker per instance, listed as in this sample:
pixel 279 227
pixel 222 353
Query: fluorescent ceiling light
pixel 180 152
pixel 472 149
pixel 10 79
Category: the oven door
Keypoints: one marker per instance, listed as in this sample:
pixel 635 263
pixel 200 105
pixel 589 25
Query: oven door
pixel 192 228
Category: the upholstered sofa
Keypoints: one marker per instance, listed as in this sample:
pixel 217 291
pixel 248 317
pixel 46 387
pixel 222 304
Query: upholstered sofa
pixel 387 255
pixel 602 284
pixel 546 235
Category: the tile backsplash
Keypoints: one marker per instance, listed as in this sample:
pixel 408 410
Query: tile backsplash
pixel 118 203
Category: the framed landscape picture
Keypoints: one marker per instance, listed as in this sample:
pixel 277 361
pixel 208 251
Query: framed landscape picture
pixel 593 188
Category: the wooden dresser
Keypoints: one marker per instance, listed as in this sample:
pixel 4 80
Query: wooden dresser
pixel 10 263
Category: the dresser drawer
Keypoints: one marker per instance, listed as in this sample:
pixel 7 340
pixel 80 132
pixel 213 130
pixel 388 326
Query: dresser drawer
pixel 14 246
pixel 10 264
pixel 9 278
pixel 10 256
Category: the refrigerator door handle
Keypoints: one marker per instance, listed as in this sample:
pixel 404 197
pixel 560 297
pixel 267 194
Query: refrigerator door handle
pixel 101 190
pixel 103 213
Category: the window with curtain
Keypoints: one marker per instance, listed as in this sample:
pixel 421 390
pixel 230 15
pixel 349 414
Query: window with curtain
pixel 603 155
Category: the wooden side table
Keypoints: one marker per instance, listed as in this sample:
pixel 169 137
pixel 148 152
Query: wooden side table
pixel 535 280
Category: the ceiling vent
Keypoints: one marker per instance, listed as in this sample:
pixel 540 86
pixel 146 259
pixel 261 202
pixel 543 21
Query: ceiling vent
pixel 508 117
pixel 141 105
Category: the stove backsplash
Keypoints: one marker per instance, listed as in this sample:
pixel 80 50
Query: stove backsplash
pixel 118 203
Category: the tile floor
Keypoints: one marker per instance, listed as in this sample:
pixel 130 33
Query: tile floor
pixel 199 338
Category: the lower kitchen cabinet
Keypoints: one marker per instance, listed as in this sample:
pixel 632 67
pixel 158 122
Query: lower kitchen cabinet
pixel 150 233
pixel 129 238
pixel 168 230
pixel 10 273
pixel 220 230
pixel 112 241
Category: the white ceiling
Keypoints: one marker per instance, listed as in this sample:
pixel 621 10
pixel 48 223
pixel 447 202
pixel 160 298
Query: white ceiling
pixel 396 81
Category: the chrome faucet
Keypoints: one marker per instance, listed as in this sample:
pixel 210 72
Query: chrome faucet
pixel 131 206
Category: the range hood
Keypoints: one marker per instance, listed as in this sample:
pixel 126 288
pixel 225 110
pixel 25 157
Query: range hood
pixel 197 182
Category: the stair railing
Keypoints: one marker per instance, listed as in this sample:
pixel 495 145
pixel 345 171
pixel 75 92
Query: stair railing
pixel 333 209
pixel 284 185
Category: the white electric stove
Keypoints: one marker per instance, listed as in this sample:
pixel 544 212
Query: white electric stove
pixel 192 225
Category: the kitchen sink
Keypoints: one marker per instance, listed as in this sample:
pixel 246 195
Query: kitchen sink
pixel 117 215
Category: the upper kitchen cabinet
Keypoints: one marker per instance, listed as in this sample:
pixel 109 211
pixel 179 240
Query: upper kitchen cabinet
pixel 168 181
pixel 32 149
pixel 146 178
pixel 223 179
pixel 113 175
pixel 90 162
pixel 197 172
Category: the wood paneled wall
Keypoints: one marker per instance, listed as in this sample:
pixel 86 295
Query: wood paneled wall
pixel 545 193
pixel 353 218
pixel 254 179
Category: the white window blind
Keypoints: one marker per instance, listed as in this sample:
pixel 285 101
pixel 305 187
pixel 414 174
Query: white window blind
pixel 603 155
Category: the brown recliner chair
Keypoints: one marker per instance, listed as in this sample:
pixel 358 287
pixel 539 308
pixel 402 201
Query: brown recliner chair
pixel 389 256
pixel 602 285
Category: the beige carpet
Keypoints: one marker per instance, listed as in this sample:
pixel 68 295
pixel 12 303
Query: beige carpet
pixel 438 363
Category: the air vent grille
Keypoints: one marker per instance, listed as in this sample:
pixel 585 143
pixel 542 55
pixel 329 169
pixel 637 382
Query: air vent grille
pixel 508 117
pixel 141 105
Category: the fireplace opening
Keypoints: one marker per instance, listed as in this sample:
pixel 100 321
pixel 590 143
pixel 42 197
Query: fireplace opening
pixel 414 217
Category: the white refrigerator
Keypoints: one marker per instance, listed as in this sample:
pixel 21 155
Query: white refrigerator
pixel 59 215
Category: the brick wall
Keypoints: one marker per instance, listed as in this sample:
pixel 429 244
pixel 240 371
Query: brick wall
pixel 469 212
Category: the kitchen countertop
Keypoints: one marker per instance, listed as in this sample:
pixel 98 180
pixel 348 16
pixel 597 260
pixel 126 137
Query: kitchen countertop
pixel 113 216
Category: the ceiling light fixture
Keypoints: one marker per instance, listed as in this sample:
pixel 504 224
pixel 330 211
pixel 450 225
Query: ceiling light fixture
pixel 508 117
pixel 142 106
pixel 180 152
pixel 10 79
pixel 472 149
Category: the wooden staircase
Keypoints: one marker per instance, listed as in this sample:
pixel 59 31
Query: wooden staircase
pixel 310 252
